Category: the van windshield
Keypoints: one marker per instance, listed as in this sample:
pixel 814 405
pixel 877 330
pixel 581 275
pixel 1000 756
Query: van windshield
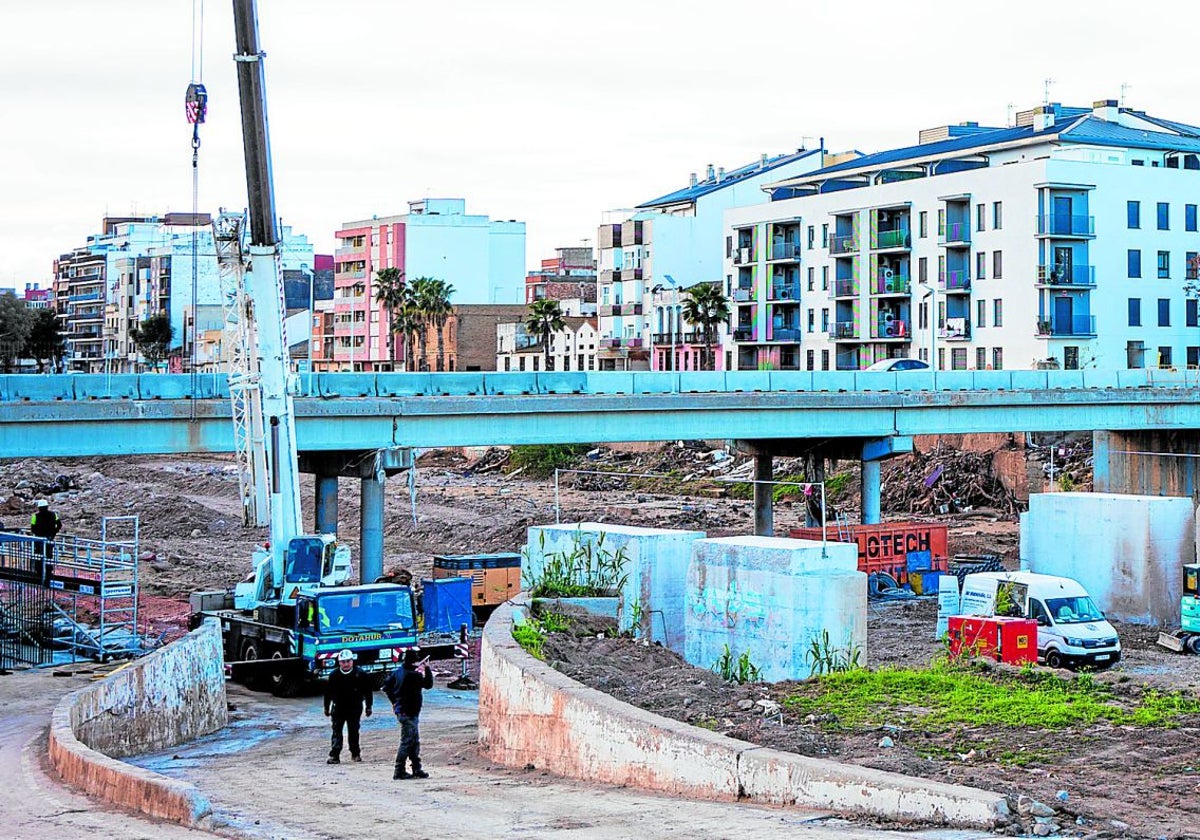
pixel 1075 610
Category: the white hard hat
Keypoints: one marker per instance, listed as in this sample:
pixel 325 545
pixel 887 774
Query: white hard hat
pixel 346 656
pixel 42 503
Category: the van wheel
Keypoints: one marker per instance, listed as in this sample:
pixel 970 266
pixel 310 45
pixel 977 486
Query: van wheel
pixel 1053 659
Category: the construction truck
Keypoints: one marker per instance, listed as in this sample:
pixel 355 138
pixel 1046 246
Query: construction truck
pixel 286 622
pixel 1187 637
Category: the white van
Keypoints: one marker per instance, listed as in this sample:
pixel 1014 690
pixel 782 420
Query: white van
pixel 1072 632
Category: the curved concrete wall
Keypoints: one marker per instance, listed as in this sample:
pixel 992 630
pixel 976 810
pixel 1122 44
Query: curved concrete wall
pixel 530 714
pixel 173 695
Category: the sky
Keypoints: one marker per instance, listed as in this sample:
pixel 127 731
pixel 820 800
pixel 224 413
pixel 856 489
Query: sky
pixel 546 111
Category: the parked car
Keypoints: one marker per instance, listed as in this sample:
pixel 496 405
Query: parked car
pixel 896 365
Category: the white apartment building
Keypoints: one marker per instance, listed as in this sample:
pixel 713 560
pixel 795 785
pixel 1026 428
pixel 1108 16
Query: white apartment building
pixel 573 348
pixel 649 255
pixel 1068 240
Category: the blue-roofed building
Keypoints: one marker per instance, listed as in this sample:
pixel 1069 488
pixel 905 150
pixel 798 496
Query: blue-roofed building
pixel 1068 239
pixel 649 255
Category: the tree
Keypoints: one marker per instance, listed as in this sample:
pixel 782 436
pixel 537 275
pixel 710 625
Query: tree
pixel 706 306
pixel 16 322
pixel 438 309
pixel 45 343
pixel 390 290
pixel 544 320
pixel 153 338
pixel 431 305
pixel 406 321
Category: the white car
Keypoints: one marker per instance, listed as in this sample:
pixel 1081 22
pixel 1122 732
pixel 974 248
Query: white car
pixel 896 365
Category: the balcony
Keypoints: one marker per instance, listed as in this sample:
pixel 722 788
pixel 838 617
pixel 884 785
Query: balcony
pixel 354 274
pixel 956 281
pixel 745 334
pixel 894 330
pixel 609 275
pixel 955 329
pixel 743 255
pixel 844 330
pixel 954 234
pixel 619 343
pixel 785 292
pixel 1054 276
pixel 890 283
pixel 790 334
pixel 1063 226
pixel 845 288
pixel 785 251
pixel 75 298
pixel 743 295
pixel 843 243
pixel 350 252
pixel 618 309
pixel 892 239
pixel 1074 326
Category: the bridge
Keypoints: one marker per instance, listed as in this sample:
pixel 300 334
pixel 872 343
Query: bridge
pixel 342 417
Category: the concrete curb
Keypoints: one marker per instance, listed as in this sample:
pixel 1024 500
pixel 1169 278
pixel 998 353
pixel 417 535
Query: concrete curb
pixel 530 714
pixel 114 781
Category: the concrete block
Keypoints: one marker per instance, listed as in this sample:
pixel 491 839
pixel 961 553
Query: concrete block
pixel 99 386
pixel 1101 379
pixel 1126 550
pixel 561 382
pixel 791 380
pixel 611 382
pixel 701 381
pixel 748 381
pixel 656 568
pixel 771 598
pixel 450 384
pixel 993 380
pixel 955 380
pixel 39 388
pixel 661 382
pixel 1060 379
pixel 1029 380
pixel 834 380
pixel 402 384
pixel 877 380
pixel 511 384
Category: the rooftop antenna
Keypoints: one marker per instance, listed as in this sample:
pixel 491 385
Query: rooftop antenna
pixel 1046 91
pixel 1125 86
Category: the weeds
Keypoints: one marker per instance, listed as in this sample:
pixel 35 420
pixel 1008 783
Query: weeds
pixel 541 460
pixel 738 670
pixel 586 570
pixel 824 658
pixel 531 637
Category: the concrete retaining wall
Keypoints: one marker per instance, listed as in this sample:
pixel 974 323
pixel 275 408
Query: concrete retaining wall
pixel 530 714
pixel 173 695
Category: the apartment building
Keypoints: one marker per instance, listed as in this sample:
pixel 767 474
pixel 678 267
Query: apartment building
pixel 649 255
pixel 572 348
pixel 570 274
pixel 36 297
pixel 1067 240
pixel 483 259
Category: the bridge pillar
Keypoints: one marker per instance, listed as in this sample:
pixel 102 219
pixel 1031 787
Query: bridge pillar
pixel 874 451
pixel 764 513
pixel 370 563
pixel 327 503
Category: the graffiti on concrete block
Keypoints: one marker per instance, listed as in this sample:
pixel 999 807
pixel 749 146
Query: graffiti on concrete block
pixel 731 606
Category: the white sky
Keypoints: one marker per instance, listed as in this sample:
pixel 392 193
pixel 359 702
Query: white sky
pixel 545 111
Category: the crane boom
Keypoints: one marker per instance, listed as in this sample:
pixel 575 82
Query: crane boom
pixel 266 294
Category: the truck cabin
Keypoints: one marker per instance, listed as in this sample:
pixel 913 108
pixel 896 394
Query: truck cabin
pixel 307 560
pixel 372 610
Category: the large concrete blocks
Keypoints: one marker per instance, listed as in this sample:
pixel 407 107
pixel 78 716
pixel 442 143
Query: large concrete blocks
pixel 1126 550
pixel 656 567
pixel 771 598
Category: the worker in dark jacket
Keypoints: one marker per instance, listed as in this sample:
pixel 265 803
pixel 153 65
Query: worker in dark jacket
pixel 46 524
pixel 403 687
pixel 347 694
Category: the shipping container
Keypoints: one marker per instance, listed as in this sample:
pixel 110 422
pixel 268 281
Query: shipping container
pixel 494 577
pixel 886 547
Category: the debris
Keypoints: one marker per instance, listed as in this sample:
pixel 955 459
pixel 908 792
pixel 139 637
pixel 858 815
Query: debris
pixel 886 742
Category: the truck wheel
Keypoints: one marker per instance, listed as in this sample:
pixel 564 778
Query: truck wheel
pixel 285 684
pixel 250 653
pixel 1053 659
pixel 1192 643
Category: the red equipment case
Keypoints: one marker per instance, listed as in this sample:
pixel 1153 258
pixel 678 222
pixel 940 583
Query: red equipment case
pixel 1011 640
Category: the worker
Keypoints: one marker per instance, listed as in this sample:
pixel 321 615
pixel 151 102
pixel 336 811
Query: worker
pixel 46 524
pixel 347 695
pixel 403 687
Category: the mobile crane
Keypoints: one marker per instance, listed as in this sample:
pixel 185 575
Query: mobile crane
pixel 287 622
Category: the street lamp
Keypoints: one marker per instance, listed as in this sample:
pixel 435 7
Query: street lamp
pixel 931 296
pixel 674 319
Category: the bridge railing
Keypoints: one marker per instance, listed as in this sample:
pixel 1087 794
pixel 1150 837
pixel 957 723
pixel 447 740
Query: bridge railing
pixel 88 387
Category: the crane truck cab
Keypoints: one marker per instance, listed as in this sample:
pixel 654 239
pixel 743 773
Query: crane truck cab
pixel 313 560
pixel 1072 631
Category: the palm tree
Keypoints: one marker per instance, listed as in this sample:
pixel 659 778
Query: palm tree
pixel 390 291
pixel 437 309
pixel 407 321
pixel 544 320
pixel 706 306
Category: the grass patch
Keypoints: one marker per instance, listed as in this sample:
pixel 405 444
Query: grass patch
pixel 531 637
pixel 541 460
pixel 945 696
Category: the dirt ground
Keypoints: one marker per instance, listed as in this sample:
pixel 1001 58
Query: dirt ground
pixel 192 538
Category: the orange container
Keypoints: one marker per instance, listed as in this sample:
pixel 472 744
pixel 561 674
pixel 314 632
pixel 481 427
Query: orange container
pixel 972 635
pixel 1018 640
pixel 885 547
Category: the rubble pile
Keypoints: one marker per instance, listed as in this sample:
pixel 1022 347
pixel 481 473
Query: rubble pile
pixel 944 481
pixel 1066 463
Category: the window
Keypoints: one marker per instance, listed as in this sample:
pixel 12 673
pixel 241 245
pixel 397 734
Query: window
pixel 812 320
pixel 997 313
pixel 997 264
pixel 812 236
pixel 825 278
pixel 981 313
pixel 1133 214
pixel 1164 265
pixel 923 270
pixel 824 320
pixel 811 278
pixel 923 315
pixel 997 215
pixel 941 359
pixel 1193 358
pixel 1190 314
pixel 1135 262
pixel 1164 312
pixel 1135 312
pixel 980 216
pixel 1135 354
pixel 1164 357
pixel 980 265
pixel 924 355
pixel 1164 216
pixel 520 363
pixel 824 360
pixel 1189 217
pixel 810 359
pixel 923 224
pixel 825 236
pixel 997 358
pixel 1190 265
pixel 958 358
pixel 1071 357
pixel 980 358
pixel 508 363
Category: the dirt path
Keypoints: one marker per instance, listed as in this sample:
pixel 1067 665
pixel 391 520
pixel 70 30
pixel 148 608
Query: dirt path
pixel 36 806
pixel 282 745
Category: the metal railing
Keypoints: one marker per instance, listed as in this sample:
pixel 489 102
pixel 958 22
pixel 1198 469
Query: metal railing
pixel 893 329
pixel 743 255
pixel 785 334
pixel 845 329
pixel 1075 325
pixel 785 291
pixel 1059 275
pixel 745 334
pixel 845 288
pixel 1061 224
pixel 956 280
pixel 897 284
pixel 785 250
pixel 954 232
pixel 843 243
pixel 897 238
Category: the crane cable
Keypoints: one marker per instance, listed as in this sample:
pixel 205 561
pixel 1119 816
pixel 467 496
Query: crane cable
pixel 196 108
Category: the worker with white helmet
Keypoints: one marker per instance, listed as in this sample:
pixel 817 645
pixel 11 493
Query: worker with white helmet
pixel 347 694
pixel 46 524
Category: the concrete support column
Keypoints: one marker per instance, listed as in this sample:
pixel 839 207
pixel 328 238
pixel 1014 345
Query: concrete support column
pixel 370 561
pixel 870 492
pixel 1101 465
pixel 327 503
pixel 816 476
pixel 764 514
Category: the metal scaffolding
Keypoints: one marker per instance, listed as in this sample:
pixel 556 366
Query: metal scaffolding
pixel 70 598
